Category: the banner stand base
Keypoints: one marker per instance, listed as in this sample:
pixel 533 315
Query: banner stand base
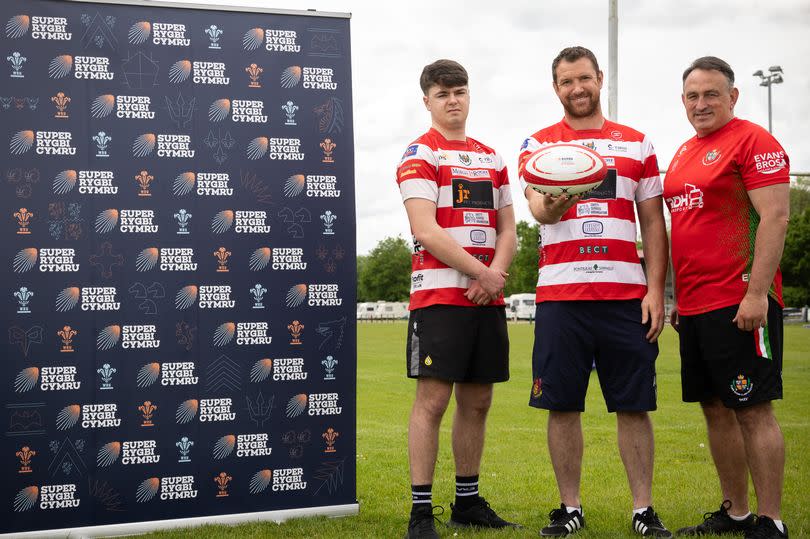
pixel 136 528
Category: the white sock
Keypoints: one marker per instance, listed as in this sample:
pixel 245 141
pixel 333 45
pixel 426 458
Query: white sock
pixel 739 519
pixel 779 525
pixel 639 510
pixel 572 509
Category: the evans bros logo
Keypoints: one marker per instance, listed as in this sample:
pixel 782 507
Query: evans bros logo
pixel 770 162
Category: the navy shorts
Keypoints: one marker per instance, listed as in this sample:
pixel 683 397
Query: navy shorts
pixel 569 336
pixel 719 360
pixel 458 344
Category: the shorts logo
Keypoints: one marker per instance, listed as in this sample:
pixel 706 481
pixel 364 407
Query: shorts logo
pixel 537 388
pixel 428 361
pixel 742 386
pixel 711 157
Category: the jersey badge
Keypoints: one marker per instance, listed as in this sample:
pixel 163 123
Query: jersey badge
pixel 711 157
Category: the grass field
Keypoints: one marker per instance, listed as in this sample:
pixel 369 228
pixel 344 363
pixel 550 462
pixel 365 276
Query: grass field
pixel 516 474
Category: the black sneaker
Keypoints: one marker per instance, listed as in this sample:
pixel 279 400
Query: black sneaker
pixel 649 524
pixel 479 515
pixel 719 523
pixel 563 523
pixel 765 528
pixel 421 525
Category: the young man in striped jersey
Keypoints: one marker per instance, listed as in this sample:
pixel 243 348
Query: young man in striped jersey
pixel 457 196
pixel 727 189
pixel 594 302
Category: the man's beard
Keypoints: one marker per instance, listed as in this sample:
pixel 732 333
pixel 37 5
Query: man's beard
pixel 573 112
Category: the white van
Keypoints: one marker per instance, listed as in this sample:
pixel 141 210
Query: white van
pixel 521 306
pixel 390 310
pixel 365 310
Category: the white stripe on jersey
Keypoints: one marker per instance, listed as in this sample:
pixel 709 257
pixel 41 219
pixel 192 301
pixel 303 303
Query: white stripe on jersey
pixel 473 236
pixel 419 188
pixel 473 160
pixel 582 271
pixel 574 229
pixel 649 188
pixel 431 279
pixel 505 196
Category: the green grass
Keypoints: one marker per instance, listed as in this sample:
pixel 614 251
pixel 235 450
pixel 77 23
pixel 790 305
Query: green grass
pixel 516 474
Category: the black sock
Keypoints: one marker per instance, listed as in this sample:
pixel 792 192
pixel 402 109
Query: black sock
pixel 421 496
pixel 466 491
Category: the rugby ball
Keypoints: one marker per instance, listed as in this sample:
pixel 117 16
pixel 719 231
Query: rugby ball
pixel 564 169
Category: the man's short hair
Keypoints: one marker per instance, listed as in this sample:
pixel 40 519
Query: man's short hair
pixel 572 54
pixel 712 63
pixel 446 73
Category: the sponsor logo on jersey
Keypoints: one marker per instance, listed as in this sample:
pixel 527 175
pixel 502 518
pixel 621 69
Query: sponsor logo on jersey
pixel 470 173
pixel 593 228
pixel 770 162
pixel 691 199
pixel 411 151
pixel 472 194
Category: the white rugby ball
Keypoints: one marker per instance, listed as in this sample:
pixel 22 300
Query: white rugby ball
pixel 564 169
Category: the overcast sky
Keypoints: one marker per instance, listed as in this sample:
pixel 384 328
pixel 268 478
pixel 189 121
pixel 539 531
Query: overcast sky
pixel 507 47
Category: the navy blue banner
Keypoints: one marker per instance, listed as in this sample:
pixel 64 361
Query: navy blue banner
pixel 179 277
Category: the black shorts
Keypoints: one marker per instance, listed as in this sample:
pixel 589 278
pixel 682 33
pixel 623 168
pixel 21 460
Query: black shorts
pixel 569 336
pixel 458 344
pixel 718 360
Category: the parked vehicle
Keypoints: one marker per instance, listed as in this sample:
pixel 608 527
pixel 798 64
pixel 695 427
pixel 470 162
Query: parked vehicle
pixel 390 310
pixel 521 306
pixel 365 310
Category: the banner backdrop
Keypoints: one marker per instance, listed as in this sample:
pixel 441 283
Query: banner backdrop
pixel 178 328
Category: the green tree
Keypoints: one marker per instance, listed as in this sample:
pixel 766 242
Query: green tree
pixel 385 274
pixel 799 198
pixel 523 271
pixel 362 293
pixel 796 262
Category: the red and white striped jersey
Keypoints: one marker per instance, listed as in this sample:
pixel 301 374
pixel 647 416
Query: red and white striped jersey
pixel 591 253
pixel 469 184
